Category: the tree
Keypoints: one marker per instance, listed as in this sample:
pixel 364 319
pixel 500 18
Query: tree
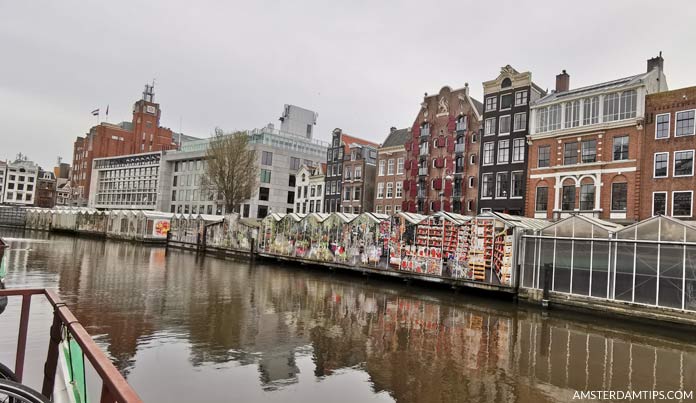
pixel 231 170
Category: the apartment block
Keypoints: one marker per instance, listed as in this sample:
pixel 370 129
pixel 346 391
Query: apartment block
pixel 309 196
pixel 128 182
pixel 359 172
pixel 20 182
pixel 391 159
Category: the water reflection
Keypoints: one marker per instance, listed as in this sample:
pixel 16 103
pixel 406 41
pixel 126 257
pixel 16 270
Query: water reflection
pixel 268 332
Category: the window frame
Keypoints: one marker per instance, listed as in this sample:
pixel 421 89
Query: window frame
pixel 657 125
pixel 512 101
pixel 652 210
pixel 524 97
pixel 691 210
pixel 582 151
pixel 509 128
pixel 613 147
pixel 489 130
pixel 516 146
pixel 611 199
pixel 507 152
pixel 512 194
pixel 674 164
pixel 548 159
pixel 502 186
pixel 575 191
pixel 491 103
pixel 490 187
pixel 565 152
pixel 514 122
pixel 676 123
pixel 536 199
pixel 492 154
pixel 655 165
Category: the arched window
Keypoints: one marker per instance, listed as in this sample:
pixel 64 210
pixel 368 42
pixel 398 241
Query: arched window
pixel 587 194
pixel 568 196
pixel 506 83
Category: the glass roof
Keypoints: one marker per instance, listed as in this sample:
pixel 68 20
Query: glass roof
pixel 581 227
pixel 660 228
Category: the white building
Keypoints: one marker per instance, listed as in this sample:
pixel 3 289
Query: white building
pixel 309 196
pixel 63 192
pixel 20 182
pixel 128 182
pixel 298 121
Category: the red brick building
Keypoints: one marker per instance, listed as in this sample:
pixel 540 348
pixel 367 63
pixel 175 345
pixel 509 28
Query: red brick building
pixel 585 145
pixel 442 154
pixel 142 134
pixel 391 158
pixel 668 180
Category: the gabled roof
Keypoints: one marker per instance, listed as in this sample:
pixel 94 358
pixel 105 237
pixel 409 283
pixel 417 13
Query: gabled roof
pixel 594 89
pixel 347 140
pixel 398 137
pixel 413 218
pixel 517 221
pixel 458 219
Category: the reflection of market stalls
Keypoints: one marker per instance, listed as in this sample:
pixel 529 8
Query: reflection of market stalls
pixel 148 226
pixel 493 246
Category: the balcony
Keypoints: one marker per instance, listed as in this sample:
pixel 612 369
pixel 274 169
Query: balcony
pixel 460 148
pixel 423 151
pixel 423 171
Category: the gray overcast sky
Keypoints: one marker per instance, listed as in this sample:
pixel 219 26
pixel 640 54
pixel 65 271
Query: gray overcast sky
pixel 363 65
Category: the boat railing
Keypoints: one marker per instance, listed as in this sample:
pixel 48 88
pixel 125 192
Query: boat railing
pixel 114 388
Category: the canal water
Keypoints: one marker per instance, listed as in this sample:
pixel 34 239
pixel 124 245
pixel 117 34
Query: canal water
pixel 185 329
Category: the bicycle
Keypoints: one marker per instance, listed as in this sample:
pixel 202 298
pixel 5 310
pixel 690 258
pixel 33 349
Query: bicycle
pixel 14 392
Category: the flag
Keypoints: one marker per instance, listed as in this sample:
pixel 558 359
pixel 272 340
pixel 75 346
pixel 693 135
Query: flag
pixel 107 110
pixel 95 112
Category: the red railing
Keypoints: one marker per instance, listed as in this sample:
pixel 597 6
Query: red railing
pixel 115 388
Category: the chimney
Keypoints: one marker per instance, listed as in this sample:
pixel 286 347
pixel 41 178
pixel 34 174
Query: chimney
pixel 392 129
pixel 562 82
pixel 656 62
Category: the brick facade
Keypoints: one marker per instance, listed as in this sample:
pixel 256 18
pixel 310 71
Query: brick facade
pixel 444 121
pixel 665 106
pixel 391 172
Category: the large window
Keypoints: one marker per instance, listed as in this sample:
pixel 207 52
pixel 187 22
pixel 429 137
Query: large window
pixel 390 190
pixel 521 98
pixel 544 156
pixel 399 166
pixel 504 125
pixel 570 153
pixel 265 176
pixel 516 180
pixel 491 103
pixel 294 163
pixel 685 123
pixel 587 196
pixel 390 167
pixel 380 190
pixel 381 168
pixel 681 203
pixel 489 127
pixel 548 118
pixel 589 151
pixel 619 192
pixel 518 150
pixel 520 122
pixel 487 185
pixel 568 197
pixel 611 107
pixel 590 109
pixel 659 204
pixel 572 114
pixel 501 185
pixel 506 101
pixel 661 164
pixel 266 158
pixel 620 148
pixel 488 153
pixel 542 198
pixel 628 104
pixel 264 193
pixel 503 151
pixel 399 189
pixel 662 126
pixel 684 163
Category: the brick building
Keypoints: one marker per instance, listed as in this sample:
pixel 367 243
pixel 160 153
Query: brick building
pixel 668 181
pixel 45 189
pixel 503 145
pixel 142 134
pixel 391 157
pixel 336 156
pixel 585 145
pixel 359 174
pixel 442 154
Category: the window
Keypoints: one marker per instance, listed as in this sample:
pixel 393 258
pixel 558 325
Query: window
pixel 265 176
pixel 542 120
pixel 399 189
pixel 619 193
pixel 589 151
pixel 347 173
pixel 390 167
pixel 491 103
pixel 381 167
pixel 397 208
pixel 628 104
pixel 504 125
pixel 521 98
pixel 379 209
pixel 380 190
pixel 554 117
pixel 570 153
pixel 518 150
pixel 568 197
pixel 620 148
pixel 400 166
pixel 681 203
pixel 472 159
pixel 291 180
pixel 590 107
pixel 262 211
pixel 294 163
pixel 572 114
pixel 506 101
pixel 291 197
pixel 520 122
pixel 390 190
pixel 387 209
pixel 517 179
pixel 587 196
pixel 471 182
pixel 544 159
pixel 501 185
pixel 661 164
pixel 487 185
pixel 542 198
pixel 266 158
pixel 662 126
pixel 488 149
pixel 659 204
pixel 503 151
pixel 685 123
pixel 684 163
pixel 346 193
pixel 611 107
pixel 264 193
pixel 358 172
pixel 356 192
pixel 489 127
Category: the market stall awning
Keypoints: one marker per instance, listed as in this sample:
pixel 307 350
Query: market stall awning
pixel 413 218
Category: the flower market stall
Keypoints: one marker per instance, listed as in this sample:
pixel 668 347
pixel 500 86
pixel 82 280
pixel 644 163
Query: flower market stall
pixel 402 242
pixel 337 230
pixel 270 232
pixel 370 236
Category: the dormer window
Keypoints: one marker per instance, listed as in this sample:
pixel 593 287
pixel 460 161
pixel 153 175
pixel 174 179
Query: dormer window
pixel 506 83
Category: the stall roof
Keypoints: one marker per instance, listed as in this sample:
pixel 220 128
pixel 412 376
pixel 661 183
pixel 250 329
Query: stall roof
pixel 250 222
pixel 660 228
pixel 275 216
pixel 211 217
pixel 295 216
pixel 320 217
pixel 376 217
pixel 517 221
pixel 413 218
pixel 607 226
pixel 345 217
pixel 458 219
pixel 157 214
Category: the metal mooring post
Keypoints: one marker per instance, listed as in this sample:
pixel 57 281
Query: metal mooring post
pixel 547 286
